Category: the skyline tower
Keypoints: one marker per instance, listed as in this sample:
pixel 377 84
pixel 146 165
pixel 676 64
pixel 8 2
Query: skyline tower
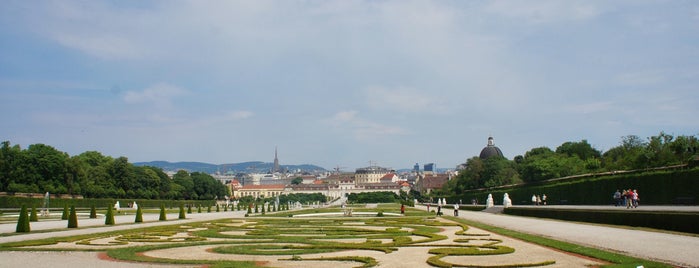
pixel 276 161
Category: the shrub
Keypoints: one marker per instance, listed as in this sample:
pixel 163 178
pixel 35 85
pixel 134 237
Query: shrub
pixel 33 216
pixel 225 208
pixel 93 212
pixel 217 208
pixel 263 209
pixel 23 221
pixel 256 209
pixel 249 210
pixel 109 218
pixel 64 216
pixel 198 209
pixel 182 215
pixel 139 215
pixel 163 215
pixel 189 209
pixel 73 218
pixel 208 209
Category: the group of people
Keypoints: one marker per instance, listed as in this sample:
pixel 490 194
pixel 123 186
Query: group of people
pixel 628 198
pixel 539 199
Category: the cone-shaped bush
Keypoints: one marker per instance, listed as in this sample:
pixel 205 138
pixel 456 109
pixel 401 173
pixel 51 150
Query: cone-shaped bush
pixel 33 216
pixel 256 209
pixel 238 206
pixel 225 208
pixel 139 215
pixel 217 208
pixel 208 209
pixel 93 212
pixel 182 216
pixel 199 209
pixel 274 208
pixel 263 209
pixel 64 216
pixel 109 218
pixel 23 221
pixel 189 209
pixel 73 218
pixel 163 215
pixel 249 209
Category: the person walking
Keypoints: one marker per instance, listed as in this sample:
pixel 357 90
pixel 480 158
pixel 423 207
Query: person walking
pixel 617 198
pixel 402 209
pixel 629 198
pixel 634 198
pixel 533 199
pixel 543 199
pixel 456 210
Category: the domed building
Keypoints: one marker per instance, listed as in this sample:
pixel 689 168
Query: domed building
pixel 490 150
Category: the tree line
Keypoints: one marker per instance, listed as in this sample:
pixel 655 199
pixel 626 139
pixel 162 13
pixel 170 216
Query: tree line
pixel 41 168
pixel 573 158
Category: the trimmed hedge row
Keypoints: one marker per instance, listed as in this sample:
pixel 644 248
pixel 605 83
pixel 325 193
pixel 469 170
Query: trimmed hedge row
pixel 663 220
pixel 679 186
pixel 55 203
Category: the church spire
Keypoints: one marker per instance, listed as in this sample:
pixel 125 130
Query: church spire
pixel 276 161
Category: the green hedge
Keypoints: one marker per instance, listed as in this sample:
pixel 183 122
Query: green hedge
pixel 664 220
pixel 654 188
pixel 56 203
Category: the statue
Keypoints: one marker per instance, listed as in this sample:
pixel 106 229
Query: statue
pixel 489 201
pixel 506 201
pixel 45 211
pixel 116 206
pixel 135 206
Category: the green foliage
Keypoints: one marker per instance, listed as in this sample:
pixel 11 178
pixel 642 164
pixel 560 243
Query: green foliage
pixel 256 209
pixel 64 216
pixel 263 209
pixel 208 209
pixel 198 209
pixel 182 215
pixel 249 210
pixel 373 197
pixel 33 216
pixel 23 221
pixel 93 212
pixel 217 208
pixel 73 218
pixel 189 209
pixel 109 217
pixel 297 181
pixel 163 214
pixel 139 215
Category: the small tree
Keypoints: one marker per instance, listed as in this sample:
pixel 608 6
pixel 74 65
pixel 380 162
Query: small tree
pixel 269 207
pixel 217 208
pixel 139 215
pixel 73 218
pixel 93 212
pixel 256 209
pixel 109 218
pixel 23 221
pixel 182 215
pixel 263 209
pixel 199 209
pixel 163 215
pixel 249 209
pixel 189 209
pixel 33 216
pixel 208 209
pixel 225 208
pixel 64 216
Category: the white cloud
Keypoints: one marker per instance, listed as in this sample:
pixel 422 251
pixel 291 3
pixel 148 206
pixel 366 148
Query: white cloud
pixel 103 46
pixel 362 129
pixel 159 94
pixel 544 11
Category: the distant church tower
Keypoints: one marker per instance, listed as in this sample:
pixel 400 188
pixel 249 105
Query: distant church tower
pixel 276 161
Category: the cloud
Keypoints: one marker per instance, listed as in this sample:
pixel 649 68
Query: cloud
pixel 403 99
pixel 159 94
pixel 363 129
pixel 545 11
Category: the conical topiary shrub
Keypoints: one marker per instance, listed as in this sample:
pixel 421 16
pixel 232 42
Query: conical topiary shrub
pixel 208 209
pixel 163 215
pixel 250 209
pixel 189 209
pixel 93 212
pixel 269 207
pixel 73 218
pixel 238 206
pixel 109 218
pixel 33 216
pixel 256 209
pixel 64 216
pixel 225 208
pixel 199 209
pixel 23 221
pixel 182 216
pixel 139 215
pixel 217 208
pixel 263 209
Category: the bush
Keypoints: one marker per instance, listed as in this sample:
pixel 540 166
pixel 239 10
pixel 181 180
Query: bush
pixel 198 209
pixel 139 215
pixel 109 218
pixel 33 216
pixel 23 221
pixel 73 218
pixel 93 212
pixel 182 215
pixel 189 209
pixel 208 209
pixel 217 208
pixel 163 215
pixel 64 216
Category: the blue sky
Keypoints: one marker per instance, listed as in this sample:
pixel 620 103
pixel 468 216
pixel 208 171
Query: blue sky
pixel 342 83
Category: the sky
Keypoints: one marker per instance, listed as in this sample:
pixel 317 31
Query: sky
pixel 344 83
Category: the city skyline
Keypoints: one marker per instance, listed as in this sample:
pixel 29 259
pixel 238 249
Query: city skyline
pixel 342 83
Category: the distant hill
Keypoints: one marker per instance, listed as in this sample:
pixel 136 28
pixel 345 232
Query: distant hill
pixel 245 167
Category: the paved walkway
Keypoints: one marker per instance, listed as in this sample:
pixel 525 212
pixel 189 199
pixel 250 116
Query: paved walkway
pixel 680 250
